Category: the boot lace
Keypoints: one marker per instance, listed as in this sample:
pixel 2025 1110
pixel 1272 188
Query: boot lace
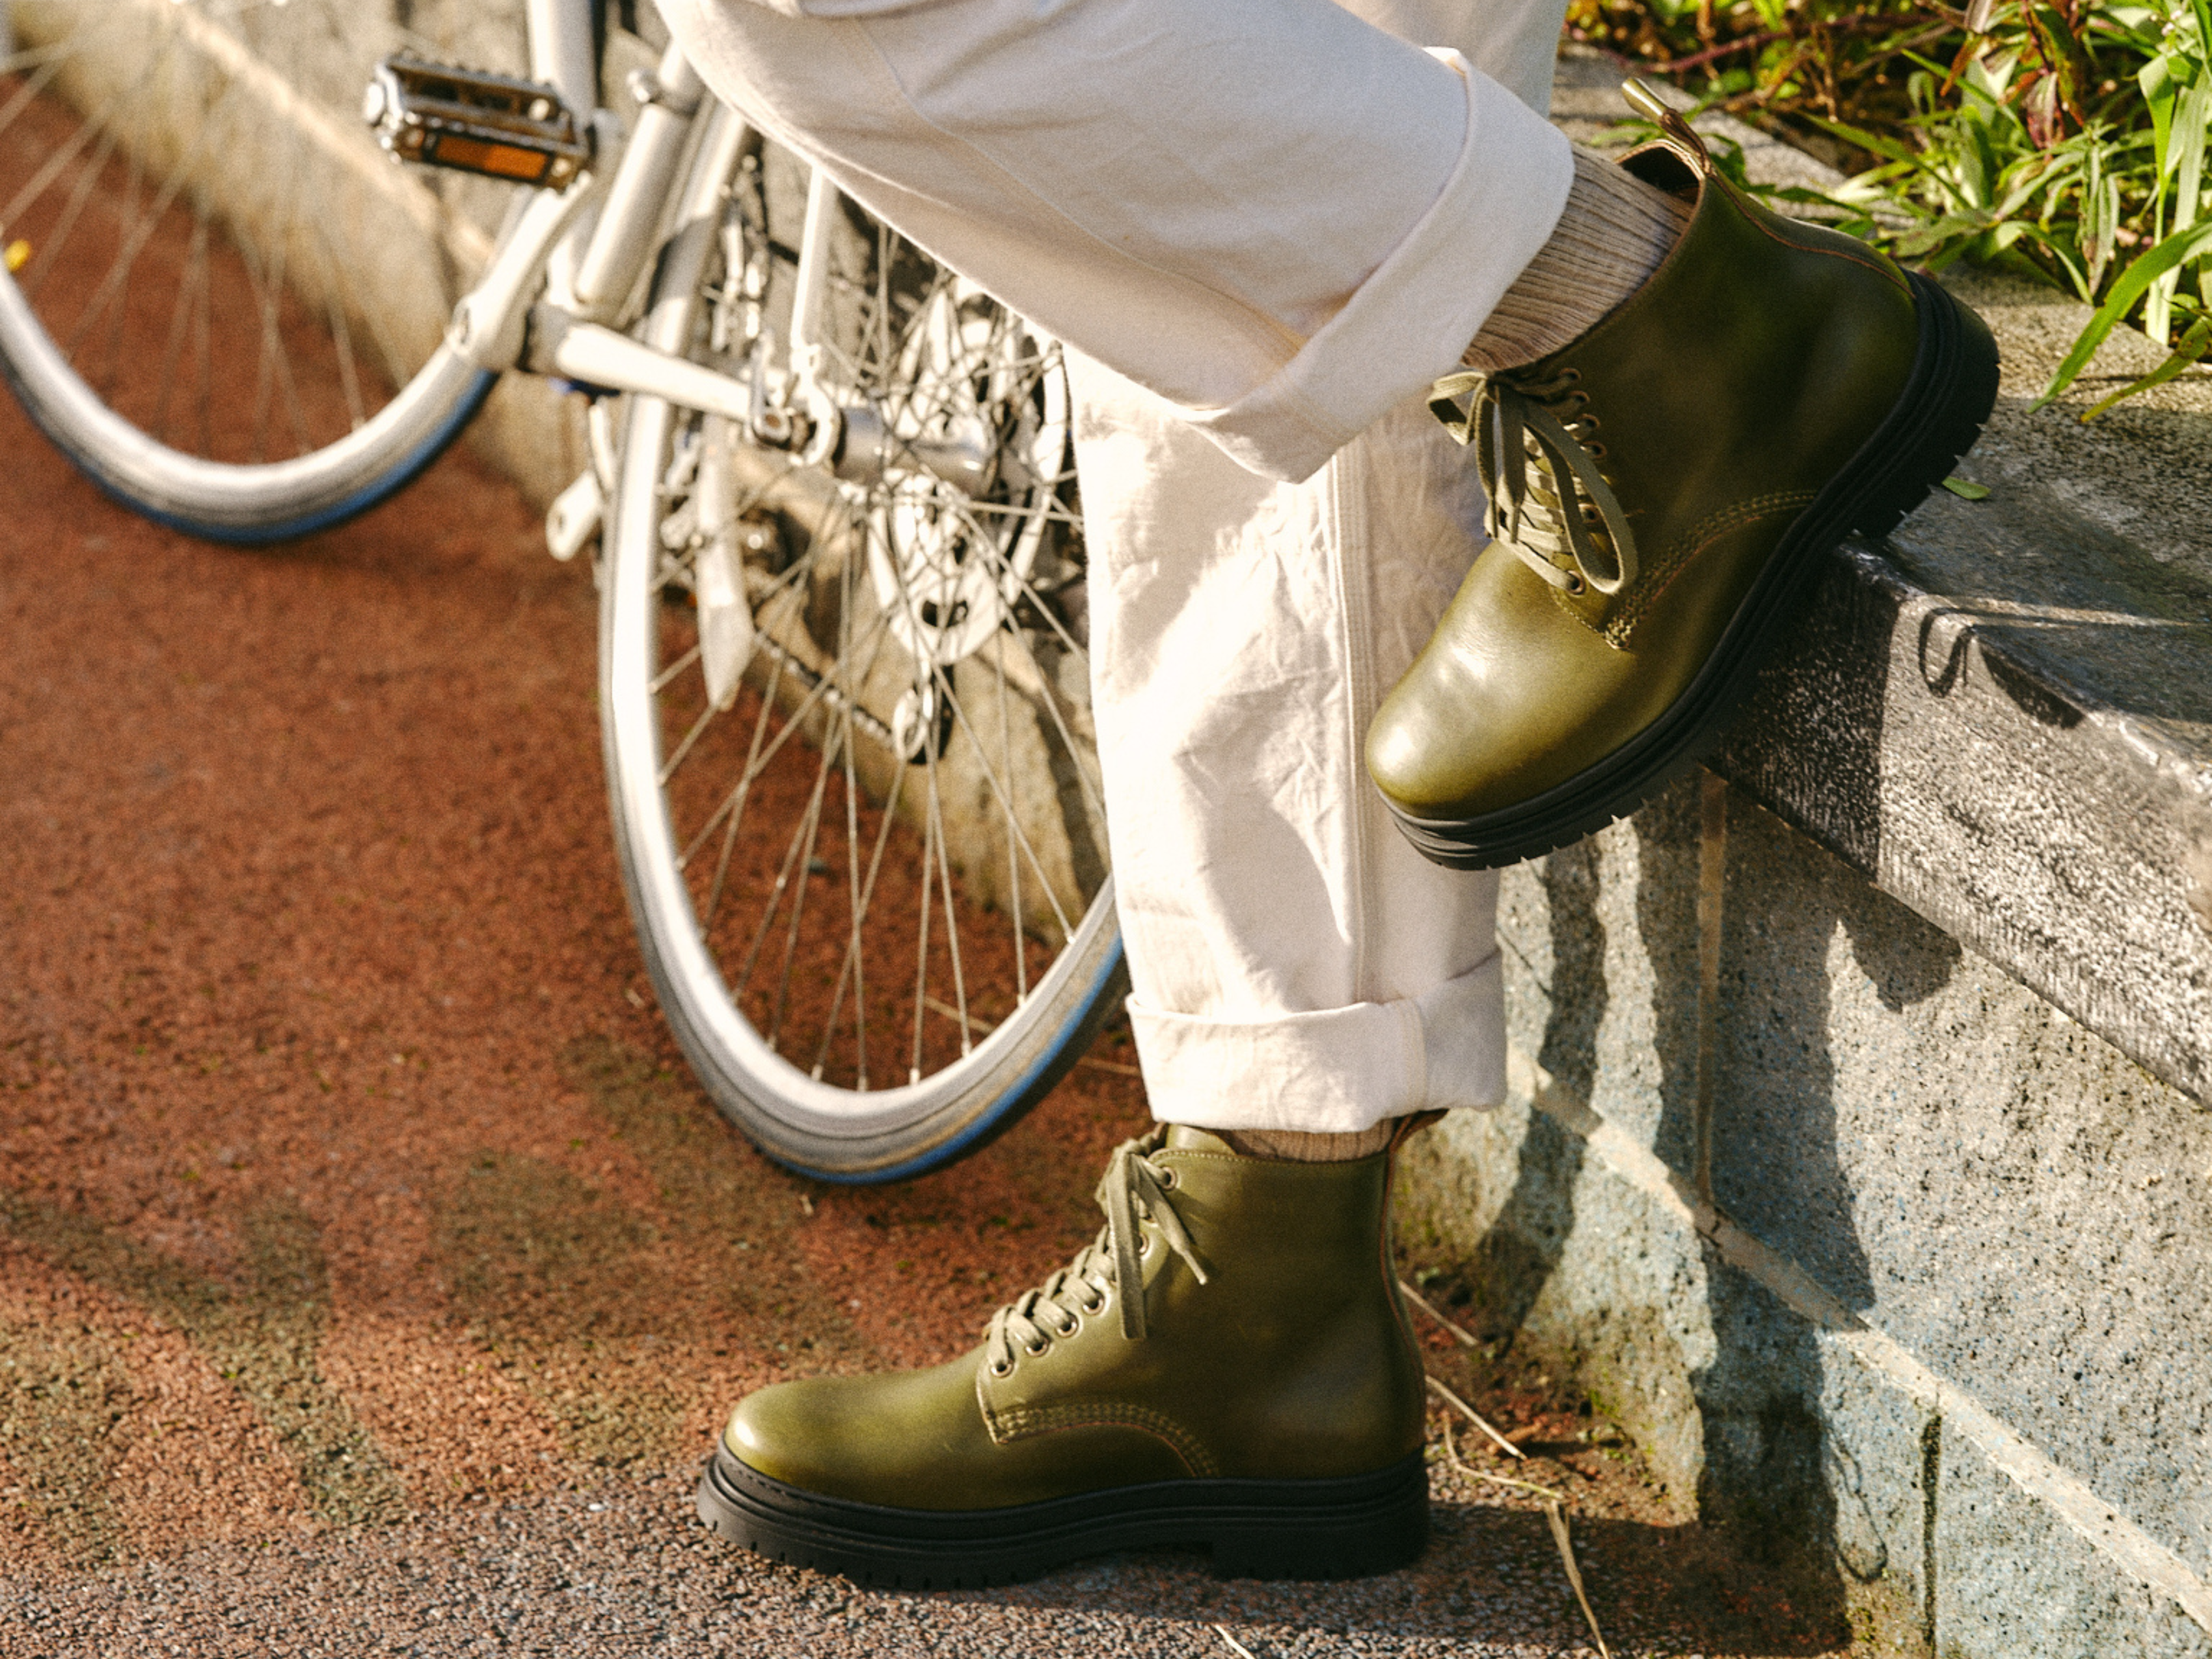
pixel 1135 1189
pixel 1548 501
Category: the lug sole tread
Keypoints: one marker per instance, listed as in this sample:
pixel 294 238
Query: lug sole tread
pixel 1254 1528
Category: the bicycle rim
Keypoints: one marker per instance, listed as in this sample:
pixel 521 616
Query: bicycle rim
pixel 866 863
pixel 221 300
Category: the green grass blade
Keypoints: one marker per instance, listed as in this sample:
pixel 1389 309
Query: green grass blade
pixel 2147 268
pixel 2191 349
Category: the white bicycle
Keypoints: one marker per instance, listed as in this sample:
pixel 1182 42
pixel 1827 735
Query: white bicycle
pixel 843 685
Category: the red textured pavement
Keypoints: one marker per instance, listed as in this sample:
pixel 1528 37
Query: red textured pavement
pixel 317 998
pixel 355 1207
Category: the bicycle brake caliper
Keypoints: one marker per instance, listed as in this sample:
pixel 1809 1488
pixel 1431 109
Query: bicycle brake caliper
pixel 474 121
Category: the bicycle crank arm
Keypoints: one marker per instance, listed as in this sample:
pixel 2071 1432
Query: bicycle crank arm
pixel 605 359
pixel 852 442
pixel 608 361
pixel 490 324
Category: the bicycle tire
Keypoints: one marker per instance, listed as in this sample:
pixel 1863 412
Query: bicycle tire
pixel 180 322
pixel 801 1091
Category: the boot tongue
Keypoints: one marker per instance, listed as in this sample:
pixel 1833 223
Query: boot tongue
pixel 1182 1138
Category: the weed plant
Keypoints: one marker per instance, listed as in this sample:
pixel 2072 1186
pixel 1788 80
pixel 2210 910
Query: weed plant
pixel 2063 139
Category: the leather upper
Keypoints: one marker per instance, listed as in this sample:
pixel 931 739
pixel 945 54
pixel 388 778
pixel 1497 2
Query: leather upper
pixel 1717 403
pixel 1292 1360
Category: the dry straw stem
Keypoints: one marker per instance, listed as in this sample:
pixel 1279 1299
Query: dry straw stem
pixel 1430 1309
pixel 1222 1631
pixel 1476 1418
pixel 1467 1469
pixel 1559 1520
pixel 1113 1065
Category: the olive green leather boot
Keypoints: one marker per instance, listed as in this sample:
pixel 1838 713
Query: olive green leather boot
pixel 1262 1396
pixel 1664 491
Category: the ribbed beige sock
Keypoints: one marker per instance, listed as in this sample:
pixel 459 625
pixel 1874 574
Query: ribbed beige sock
pixel 1297 1146
pixel 1615 232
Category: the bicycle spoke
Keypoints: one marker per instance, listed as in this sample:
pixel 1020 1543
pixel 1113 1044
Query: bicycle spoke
pixel 734 804
pixel 921 954
pixel 851 880
pixel 768 918
pixel 854 962
pixel 1091 788
pixel 668 675
pixel 943 684
pixel 56 164
pixel 1013 865
pixel 854 968
pixel 134 181
pixel 791 728
pixel 341 331
pixel 851 886
pixel 272 333
pixel 56 237
pixel 698 730
pixel 812 827
pixel 182 316
pixel 204 310
pixel 951 926
pixel 204 280
pixel 142 233
pixel 960 717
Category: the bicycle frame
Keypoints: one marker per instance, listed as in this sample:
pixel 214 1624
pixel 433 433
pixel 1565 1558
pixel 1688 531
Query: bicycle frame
pixel 544 304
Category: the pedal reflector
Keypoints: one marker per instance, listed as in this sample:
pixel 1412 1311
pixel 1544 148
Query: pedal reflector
pixel 496 126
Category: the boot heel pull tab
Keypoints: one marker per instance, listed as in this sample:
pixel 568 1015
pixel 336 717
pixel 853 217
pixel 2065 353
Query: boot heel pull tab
pixel 1647 103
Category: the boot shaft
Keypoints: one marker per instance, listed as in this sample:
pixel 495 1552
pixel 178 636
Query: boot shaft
pixel 1763 349
pixel 1291 1357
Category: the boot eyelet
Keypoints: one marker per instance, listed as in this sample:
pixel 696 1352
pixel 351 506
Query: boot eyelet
pixel 1168 1180
pixel 1144 1247
pixel 1033 1351
pixel 1596 451
pixel 1002 1370
pixel 1576 586
pixel 1097 1307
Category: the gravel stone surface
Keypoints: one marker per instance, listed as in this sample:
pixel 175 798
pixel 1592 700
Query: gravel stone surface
pixel 615 1571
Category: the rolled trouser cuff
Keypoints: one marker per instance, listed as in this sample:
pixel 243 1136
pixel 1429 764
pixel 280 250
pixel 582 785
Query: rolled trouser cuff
pixel 1333 1071
pixel 1412 319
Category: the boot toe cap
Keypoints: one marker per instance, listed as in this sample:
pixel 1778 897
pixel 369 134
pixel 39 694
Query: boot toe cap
pixel 777 1432
pixel 1497 707
pixel 1446 753
pixel 1412 759
pixel 899 1438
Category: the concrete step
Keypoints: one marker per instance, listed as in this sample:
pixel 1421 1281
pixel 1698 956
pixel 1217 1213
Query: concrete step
pixel 1859 1159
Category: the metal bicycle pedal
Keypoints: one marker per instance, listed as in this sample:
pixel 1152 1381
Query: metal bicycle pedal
pixel 497 126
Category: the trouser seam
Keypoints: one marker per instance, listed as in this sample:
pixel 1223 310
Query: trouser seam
pixel 1348 534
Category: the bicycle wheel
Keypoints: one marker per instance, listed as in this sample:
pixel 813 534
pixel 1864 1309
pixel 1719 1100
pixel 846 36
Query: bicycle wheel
pixel 221 300
pixel 847 726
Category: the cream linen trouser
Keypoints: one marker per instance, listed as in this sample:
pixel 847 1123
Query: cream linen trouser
pixel 1262 226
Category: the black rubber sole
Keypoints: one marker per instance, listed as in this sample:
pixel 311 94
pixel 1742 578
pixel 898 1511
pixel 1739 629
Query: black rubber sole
pixel 1952 387
pixel 1337 1528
